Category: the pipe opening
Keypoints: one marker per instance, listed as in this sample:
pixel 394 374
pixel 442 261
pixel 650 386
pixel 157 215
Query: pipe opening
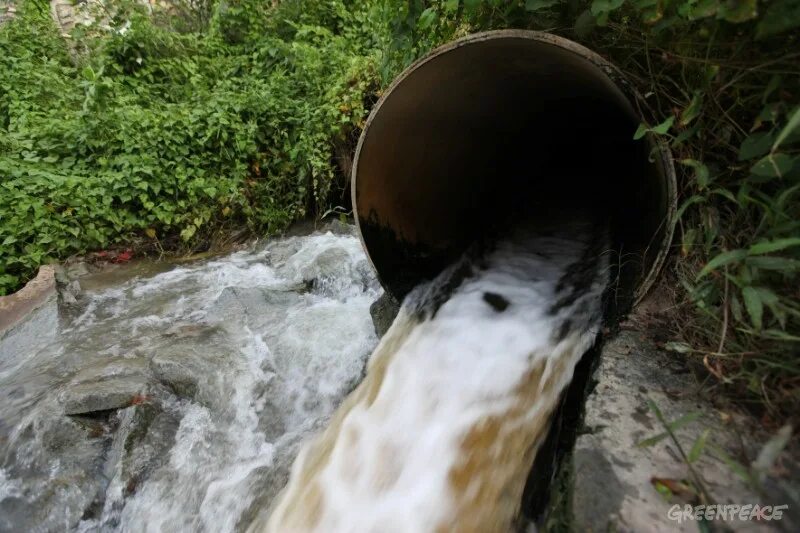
pixel 502 127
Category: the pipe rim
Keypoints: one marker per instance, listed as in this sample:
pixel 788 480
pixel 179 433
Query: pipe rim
pixel 637 102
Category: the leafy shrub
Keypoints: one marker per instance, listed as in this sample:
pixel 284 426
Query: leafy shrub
pixel 156 134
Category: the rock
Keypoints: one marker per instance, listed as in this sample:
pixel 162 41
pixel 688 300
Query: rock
pixel 189 360
pixel 110 384
pixel 179 375
pixel 115 367
pixel 383 312
pixel 250 304
pixel 16 308
pixel 76 270
pixel 332 263
pixel 612 486
pixel 61 433
pixel 145 434
pixel 280 251
pixel 337 227
pixel 112 393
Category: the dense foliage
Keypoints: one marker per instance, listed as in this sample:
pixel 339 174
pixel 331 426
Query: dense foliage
pixel 152 132
pixel 212 115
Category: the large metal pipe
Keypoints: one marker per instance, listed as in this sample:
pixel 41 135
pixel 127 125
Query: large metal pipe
pixel 503 122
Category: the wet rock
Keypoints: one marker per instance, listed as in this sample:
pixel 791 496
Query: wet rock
pixel 383 312
pixel 76 270
pixel 58 434
pixel 332 263
pixel 337 227
pixel 117 367
pixel 112 393
pixel 255 308
pixel 146 432
pixel 280 251
pixel 179 375
pixel 109 384
pixel 46 497
pixel 17 308
pixel 612 486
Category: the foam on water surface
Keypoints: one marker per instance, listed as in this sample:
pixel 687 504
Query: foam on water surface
pixel 441 434
pixel 276 335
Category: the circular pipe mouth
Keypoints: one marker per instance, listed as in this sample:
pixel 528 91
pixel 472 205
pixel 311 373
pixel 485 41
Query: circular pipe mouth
pixel 505 124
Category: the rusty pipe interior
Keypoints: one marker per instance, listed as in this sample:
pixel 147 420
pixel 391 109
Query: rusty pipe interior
pixel 499 125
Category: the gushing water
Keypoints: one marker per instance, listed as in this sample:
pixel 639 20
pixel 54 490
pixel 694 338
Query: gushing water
pixel 442 433
pixel 176 401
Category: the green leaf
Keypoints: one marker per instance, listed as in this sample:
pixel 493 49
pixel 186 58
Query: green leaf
pixel 672 426
pixel 678 347
pixel 773 246
pixel 536 5
pixel 9 240
pixel 779 335
pixel 584 24
pixel 451 5
pixel 660 129
pixel 769 454
pixel 664 127
pixel 792 124
pixel 778 264
pixel 756 145
pixel 734 465
pixel 737 11
pixel 188 232
pixel 426 19
pixel 699 10
pixel 471 5
pixel 781 16
pixel 687 203
pixel 698 447
pixel 722 259
pixel 692 110
pixel 605 6
pixel 701 173
pixel 773 166
pixel 754 306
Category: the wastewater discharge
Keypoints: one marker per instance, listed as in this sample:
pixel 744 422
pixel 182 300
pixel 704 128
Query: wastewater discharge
pixel 442 433
pixel 230 395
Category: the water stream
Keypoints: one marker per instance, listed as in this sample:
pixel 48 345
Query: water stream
pixel 228 365
pixel 443 431
pixel 173 398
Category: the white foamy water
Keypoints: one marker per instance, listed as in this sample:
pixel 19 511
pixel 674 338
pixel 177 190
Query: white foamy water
pixel 441 434
pixel 242 357
pixel 239 360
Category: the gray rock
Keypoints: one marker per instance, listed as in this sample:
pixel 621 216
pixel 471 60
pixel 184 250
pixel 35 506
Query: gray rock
pixel 337 227
pixel 111 393
pixel 256 308
pixel 383 312
pixel 145 434
pixel 333 263
pixel 77 270
pixel 116 367
pixel 180 375
pixel 612 488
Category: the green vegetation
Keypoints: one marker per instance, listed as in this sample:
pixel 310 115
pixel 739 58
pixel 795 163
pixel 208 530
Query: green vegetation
pixel 152 132
pixel 175 127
